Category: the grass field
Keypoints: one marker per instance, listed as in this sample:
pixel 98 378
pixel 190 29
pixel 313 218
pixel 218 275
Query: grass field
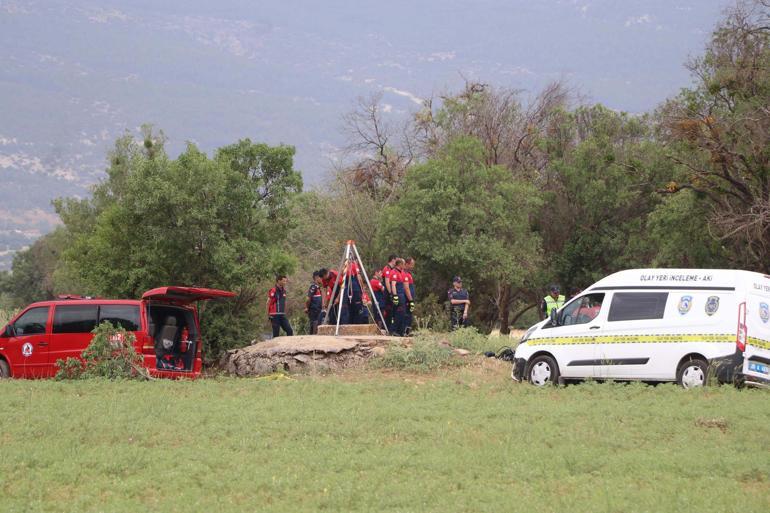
pixel 462 439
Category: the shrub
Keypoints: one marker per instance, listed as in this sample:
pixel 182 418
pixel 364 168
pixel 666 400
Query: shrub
pixel 425 355
pixel 431 314
pixel 110 354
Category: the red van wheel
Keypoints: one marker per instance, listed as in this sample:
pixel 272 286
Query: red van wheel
pixel 5 371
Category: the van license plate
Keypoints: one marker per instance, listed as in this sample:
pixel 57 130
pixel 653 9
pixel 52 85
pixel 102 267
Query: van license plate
pixel 758 367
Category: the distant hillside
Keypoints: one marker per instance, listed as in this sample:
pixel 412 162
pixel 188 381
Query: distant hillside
pixel 77 74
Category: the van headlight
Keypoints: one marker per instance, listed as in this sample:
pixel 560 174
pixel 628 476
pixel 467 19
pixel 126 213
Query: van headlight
pixel 526 335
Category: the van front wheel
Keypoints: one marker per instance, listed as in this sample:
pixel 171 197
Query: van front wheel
pixel 542 371
pixel 5 371
pixel 692 373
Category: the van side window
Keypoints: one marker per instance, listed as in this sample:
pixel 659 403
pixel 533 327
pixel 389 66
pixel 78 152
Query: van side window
pixel 74 318
pixel 583 310
pixel 122 316
pixel 637 306
pixel 32 322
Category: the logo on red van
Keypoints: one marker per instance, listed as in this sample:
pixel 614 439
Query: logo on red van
pixel 27 349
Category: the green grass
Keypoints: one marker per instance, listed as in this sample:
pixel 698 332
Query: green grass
pixel 463 439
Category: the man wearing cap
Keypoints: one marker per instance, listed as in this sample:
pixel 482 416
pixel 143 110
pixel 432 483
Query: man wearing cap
pixel 459 304
pixel 314 303
pixel 554 300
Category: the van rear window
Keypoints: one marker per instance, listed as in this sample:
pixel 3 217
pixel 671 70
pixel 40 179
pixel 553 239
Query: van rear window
pixel 637 306
pixel 122 316
pixel 74 318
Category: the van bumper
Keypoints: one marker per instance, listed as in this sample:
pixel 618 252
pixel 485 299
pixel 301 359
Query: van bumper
pixel 752 377
pixel 517 373
pixel 727 369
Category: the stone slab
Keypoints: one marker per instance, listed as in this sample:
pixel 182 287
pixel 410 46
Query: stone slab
pixel 349 329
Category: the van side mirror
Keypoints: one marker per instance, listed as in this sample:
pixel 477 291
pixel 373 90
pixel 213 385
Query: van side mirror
pixel 8 331
pixel 554 317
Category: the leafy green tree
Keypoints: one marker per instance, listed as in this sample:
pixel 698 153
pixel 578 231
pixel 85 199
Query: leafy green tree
pixel 33 269
pixel 459 215
pixel 190 221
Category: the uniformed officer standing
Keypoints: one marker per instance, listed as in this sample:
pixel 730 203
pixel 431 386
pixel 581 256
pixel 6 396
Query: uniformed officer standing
pixel 276 307
pixel 409 286
pixel 314 303
pixel 553 300
pixel 459 304
pixel 400 297
pixel 379 296
pixel 388 311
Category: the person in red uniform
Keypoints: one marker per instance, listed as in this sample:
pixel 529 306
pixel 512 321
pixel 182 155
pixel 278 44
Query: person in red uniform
pixel 388 310
pixel 328 278
pixel 352 297
pixel 276 307
pixel 379 296
pixel 401 298
pixel 409 287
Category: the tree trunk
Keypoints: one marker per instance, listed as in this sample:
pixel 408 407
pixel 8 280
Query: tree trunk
pixel 503 309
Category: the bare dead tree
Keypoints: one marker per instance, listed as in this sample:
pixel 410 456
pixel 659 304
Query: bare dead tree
pixel 378 153
pixel 722 132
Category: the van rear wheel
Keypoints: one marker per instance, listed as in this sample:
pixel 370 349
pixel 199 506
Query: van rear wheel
pixel 692 373
pixel 542 371
pixel 5 371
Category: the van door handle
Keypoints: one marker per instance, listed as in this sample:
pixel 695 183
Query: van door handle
pixel 41 344
pixel 594 327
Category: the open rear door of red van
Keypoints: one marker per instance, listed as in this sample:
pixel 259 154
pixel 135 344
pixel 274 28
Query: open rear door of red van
pixel 185 295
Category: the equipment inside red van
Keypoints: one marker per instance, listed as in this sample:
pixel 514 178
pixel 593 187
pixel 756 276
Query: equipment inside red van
pixel 164 321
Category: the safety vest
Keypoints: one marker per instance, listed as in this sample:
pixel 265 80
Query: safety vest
pixel 551 303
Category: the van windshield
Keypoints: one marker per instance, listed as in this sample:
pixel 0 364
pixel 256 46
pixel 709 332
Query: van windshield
pixel 175 336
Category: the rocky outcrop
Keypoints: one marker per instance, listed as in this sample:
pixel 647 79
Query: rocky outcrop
pixel 313 353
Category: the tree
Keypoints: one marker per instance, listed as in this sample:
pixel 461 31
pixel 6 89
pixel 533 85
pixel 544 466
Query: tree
pixel 459 215
pixel 33 269
pixel 190 221
pixel 718 133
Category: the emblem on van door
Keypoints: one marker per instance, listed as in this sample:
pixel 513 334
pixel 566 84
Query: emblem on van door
pixel 764 312
pixel 712 305
pixel 685 303
pixel 26 349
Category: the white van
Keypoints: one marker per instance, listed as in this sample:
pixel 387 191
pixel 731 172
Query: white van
pixel 683 325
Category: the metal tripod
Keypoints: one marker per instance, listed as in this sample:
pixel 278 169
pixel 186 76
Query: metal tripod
pixel 350 256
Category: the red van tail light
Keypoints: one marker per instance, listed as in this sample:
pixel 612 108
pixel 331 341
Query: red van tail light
pixel 742 335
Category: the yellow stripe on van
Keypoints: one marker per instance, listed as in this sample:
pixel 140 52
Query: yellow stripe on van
pixel 634 339
pixel 758 342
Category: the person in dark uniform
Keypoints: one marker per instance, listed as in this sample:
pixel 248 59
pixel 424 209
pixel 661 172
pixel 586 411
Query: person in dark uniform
pixel 459 304
pixel 276 307
pixel 409 286
pixel 314 304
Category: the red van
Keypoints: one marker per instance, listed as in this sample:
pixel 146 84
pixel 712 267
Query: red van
pixel 164 321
